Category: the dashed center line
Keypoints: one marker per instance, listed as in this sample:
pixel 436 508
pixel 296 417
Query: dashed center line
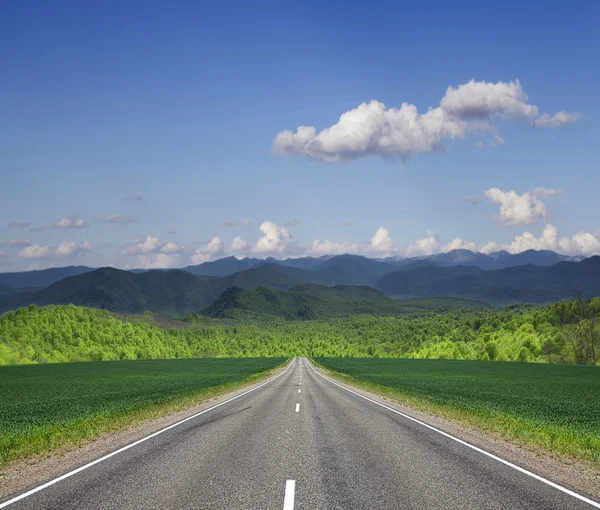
pixel 290 490
pixel 297 408
pixel 299 390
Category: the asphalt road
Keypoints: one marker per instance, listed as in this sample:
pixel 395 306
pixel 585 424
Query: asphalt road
pixel 300 442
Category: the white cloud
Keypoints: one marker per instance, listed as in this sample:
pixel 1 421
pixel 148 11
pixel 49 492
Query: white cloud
pixel 582 243
pixel 480 144
pixel 70 249
pixel 35 251
pixel 170 248
pixel 373 129
pixel 458 244
pixel 134 197
pixel 546 192
pixel 428 245
pixel 158 261
pixel 517 209
pixel 328 247
pixel 19 242
pixel 116 218
pixel 212 250
pixel 275 239
pixel 3 255
pixel 527 241
pixel 482 100
pixel 559 119
pixel 144 245
pixel 238 246
pixel 70 222
pixel 242 222
pixel 381 243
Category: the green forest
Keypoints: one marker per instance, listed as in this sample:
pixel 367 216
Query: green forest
pixel 563 332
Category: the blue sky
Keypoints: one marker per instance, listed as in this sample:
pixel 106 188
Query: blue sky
pixel 181 104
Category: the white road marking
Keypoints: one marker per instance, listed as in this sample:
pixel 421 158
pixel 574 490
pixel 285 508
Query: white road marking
pixel 299 390
pixel 139 441
pixel 468 445
pixel 297 408
pixel 290 490
pixel 299 384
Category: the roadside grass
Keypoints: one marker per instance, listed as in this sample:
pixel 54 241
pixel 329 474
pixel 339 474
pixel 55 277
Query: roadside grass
pixel 553 407
pixel 57 406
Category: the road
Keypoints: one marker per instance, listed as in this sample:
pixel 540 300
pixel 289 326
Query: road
pixel 299 441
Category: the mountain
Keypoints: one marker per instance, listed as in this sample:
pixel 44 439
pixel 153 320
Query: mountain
pixel 497 260
pixel 527 283
pixel 351 270
pixel 167 292
pixel 306 301
pixel 40 279
pixel 223 267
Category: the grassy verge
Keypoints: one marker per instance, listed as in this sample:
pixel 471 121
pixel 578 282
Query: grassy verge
pixel 552 407
pixel 56 406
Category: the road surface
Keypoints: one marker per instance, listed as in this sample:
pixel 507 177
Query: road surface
pixel 299 441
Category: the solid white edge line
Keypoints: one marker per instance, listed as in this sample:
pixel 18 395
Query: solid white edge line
pixel 135 443
pixel 290 489
pixel 468 445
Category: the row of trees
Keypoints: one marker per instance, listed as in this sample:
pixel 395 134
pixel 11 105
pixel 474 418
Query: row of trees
pixel 566 332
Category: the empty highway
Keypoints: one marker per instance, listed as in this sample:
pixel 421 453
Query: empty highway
pixel 299 441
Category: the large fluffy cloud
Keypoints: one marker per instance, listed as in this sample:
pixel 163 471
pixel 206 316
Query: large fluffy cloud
pixel 381 245
pixel 274 239
pixel 482 100
pixel 154 253
pixel 517 209
pixel 372 128
pixel 144 245
pixel 559 119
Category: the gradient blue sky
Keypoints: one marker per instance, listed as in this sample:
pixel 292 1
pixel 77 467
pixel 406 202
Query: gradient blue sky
pixel 181 102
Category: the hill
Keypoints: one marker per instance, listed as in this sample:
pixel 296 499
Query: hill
pixel 223 267
pixel 305 302
pixel 351 270
pixel 527 283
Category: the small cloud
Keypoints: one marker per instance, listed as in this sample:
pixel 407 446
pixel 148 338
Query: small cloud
pixel 517 209
pixel 547 192
pixel 242 222
pixel 134 197
pixel 70 222
pixel 19 224
pixel 170 247
pixel 480 145
pixel 559 119
pixel 70 249
pixel 171 233
pixel 497 140
pixel 144 245
pixel 292 222
pixel 116 218
pixel 37 229
pixel 238 246
pixel 3 255
pixel 347 223
pixel 474 200
pixel 210 251
pixel 19 242
pixel 35 251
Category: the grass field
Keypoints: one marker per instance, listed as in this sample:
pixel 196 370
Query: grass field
pixel 47 406
pixel 553 406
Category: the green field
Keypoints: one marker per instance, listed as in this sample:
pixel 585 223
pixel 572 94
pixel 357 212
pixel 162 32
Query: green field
pixel 554 406
pixel 47 406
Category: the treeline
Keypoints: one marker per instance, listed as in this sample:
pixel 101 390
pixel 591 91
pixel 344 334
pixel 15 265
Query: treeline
pixel 565 332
